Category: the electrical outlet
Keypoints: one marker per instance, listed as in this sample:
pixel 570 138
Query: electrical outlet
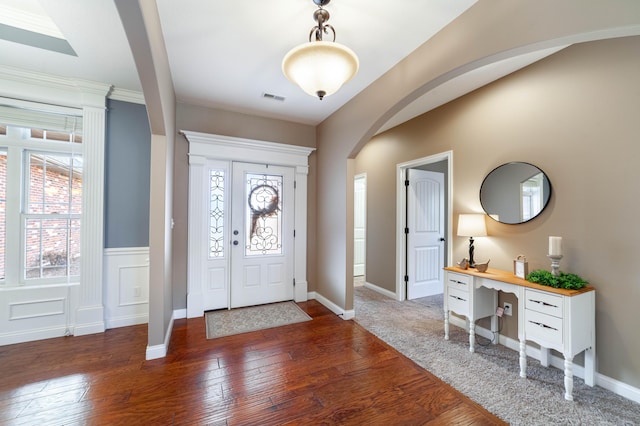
pixel 508 309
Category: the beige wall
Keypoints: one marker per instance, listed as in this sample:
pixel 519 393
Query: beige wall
pixel 206 120
pixel 576 116
pixel 487 32
pixel 144 33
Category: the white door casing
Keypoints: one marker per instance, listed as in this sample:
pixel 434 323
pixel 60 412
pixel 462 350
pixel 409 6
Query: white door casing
pixel 206 150
pixel 359 224
pixel 425 239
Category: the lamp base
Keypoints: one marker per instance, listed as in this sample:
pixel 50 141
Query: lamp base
pixel 472 263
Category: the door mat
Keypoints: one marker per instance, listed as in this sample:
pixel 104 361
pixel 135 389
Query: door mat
pixel 243 320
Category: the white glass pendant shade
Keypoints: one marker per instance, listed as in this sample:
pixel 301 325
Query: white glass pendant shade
pixel 320 68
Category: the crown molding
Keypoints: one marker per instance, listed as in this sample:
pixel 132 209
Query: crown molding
pixel 124 95
pixel 35 86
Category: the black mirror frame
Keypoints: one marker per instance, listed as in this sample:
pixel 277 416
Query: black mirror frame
pixel 517 162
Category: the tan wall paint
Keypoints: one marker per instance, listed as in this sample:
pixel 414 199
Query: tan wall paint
pixel 207 120
pixel 575 115
pixel 144 33
pixel 488 31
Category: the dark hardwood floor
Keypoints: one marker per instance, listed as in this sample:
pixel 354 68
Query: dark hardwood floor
pixel 324 371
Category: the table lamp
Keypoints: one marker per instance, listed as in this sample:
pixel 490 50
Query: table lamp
pixel 471 225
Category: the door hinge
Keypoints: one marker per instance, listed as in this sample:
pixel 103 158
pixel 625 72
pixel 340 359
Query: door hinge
pixel 406 182
pixel 294 233
pixel 294 282
pixel 295 183
pixel 406 230
pixel 406 278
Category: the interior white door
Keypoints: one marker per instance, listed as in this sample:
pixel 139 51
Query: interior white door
pixel 425 239
pixel 359 224
pixel 262 228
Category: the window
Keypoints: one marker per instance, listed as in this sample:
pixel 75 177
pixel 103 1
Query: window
pixel 51 215
pixel 40 205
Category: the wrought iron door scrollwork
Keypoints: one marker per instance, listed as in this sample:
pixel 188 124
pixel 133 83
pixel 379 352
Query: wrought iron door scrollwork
pixel 263 202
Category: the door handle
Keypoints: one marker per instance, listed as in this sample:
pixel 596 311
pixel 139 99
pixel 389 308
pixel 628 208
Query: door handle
pixel 442 239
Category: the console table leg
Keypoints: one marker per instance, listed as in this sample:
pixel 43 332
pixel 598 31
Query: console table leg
pixel 544 357
pixel 568 378
pixel 523 358
pixel 589 367
pixel 446 325
pixel 472 336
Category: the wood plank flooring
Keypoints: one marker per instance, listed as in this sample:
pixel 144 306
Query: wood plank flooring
pixel 325 371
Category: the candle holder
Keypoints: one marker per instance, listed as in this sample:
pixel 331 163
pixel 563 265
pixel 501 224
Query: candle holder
pixel 555 263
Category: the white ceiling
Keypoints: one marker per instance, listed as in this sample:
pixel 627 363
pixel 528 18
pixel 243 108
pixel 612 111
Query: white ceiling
pixel 227 54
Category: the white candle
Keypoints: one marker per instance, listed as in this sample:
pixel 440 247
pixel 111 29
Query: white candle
pixel 555 246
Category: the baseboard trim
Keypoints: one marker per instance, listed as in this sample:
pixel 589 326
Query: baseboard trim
pixel 89 320
pixel 160 351
pixel 345 315
pixel 381 290
pixel 32 335
pixel 620 388
pixel 126 321
pixel 180 313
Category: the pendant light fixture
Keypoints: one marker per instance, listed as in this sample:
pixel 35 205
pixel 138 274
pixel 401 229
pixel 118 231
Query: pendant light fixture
pixel 320 67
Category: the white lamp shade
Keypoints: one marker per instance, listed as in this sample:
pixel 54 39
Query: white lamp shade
pixel 472 225
pixel 320 66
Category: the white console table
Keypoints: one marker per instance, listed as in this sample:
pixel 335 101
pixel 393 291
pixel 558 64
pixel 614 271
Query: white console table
pixel 563 320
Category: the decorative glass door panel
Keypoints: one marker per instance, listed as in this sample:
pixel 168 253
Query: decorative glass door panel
pixel 215 234
pixel 216 213
pixel 263 215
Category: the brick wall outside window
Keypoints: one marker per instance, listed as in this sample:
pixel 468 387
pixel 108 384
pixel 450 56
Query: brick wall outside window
pixel 53 244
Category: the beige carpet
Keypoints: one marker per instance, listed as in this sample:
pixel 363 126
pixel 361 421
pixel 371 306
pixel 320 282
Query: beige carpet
pixel 243 320
pixel 490 376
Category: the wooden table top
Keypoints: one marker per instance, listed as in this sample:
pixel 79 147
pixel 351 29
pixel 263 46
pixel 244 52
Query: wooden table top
pixel 509 277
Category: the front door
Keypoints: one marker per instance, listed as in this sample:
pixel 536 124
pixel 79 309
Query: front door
pixel 425 239
pixel 262 234
pixel 242 246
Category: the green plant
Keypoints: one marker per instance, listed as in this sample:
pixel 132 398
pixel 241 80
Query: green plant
pixel 564 280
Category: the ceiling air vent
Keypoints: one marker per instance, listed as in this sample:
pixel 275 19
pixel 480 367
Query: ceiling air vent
pixel 273 97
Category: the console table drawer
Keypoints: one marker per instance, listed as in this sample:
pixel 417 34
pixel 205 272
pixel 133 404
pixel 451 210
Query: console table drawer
pixel 545 303
pixel 458 301
pixel 458 281
pixel 543 329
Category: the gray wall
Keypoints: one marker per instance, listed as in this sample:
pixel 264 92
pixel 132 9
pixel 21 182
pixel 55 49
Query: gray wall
pixel 127 159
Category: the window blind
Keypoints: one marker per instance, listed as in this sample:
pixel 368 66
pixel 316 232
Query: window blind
pixel 30 118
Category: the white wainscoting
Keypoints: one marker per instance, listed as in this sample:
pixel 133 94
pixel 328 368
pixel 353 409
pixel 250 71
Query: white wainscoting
pixel 37 312
pixel 126 286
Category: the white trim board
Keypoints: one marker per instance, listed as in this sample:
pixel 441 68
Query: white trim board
pixel 346 315
pixel 160 351
pixel 401 203
pixel 605 382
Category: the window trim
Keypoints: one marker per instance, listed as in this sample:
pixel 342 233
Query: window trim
pixel 18 145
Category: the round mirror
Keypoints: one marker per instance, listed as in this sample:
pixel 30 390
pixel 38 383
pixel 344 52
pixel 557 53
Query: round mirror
pixel 515 193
